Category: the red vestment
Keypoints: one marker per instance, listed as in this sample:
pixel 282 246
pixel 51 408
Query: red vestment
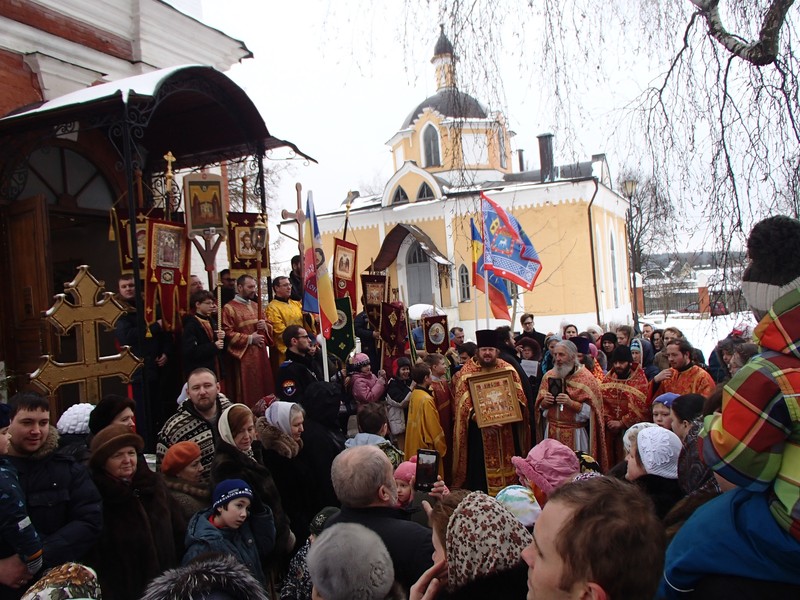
pixel 500 442
pixel 251 377
pixel 623 400
pixel 694 380
pixel 581 386
pixel 443 398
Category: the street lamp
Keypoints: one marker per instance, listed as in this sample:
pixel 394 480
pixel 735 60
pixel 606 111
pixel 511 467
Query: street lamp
pixel 628 190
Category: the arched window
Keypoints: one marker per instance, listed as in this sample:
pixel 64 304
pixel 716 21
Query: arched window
pixel 614 271
pixel 430 145
pixel 418 275
pixel 501 148
pixel 463 283
pixel 400 196
pixel 425 192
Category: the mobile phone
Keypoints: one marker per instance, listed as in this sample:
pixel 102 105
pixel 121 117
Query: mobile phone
pixel 427 470
pixel 555 386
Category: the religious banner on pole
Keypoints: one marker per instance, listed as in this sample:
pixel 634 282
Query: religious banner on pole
pixel 121 224
pixel 434 329
pixel 374 292
pixel 344 269
pixel 393 329
pixel 343 340
pixel 243 242
pixel 167 273
pixel 203 204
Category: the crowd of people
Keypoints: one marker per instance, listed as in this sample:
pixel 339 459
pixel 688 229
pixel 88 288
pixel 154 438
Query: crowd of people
pixel 580 463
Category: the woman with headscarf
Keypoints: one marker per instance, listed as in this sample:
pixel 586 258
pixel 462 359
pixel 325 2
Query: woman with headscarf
pixel 239 456
pixel 143 526
pixel 547 360
pixel 608 341
pixel 478 544
pixel 280 431
pixel 653 467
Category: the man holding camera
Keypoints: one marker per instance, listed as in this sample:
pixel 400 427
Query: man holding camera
pixel 569 407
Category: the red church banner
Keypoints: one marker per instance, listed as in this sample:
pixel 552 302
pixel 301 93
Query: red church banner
pixel 167 273
pixel 436 335
pixel 344 269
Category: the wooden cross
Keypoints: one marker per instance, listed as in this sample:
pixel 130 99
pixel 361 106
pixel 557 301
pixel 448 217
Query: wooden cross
pixel 91 306
pixel 299 217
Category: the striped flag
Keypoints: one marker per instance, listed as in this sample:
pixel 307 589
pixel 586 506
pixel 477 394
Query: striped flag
pixel 499 298
pixel 318 290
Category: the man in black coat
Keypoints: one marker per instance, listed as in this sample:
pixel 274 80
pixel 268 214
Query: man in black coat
pixel 369 337
pixel 364 482
pixel 62 501
pixel 528 330
pixel 296 373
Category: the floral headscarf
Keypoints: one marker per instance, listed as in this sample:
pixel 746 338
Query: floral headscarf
pixel 482 538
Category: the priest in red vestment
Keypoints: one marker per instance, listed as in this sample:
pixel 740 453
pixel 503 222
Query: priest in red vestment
pixel 682 376
pixel 482 457
pixel 569 406
pixel 246 338
pixel 624 401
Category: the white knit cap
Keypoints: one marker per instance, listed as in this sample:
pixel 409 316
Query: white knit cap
pixel 659 449
pixel 75 419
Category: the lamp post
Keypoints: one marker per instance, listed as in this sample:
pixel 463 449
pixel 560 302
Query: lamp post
pixel 629 189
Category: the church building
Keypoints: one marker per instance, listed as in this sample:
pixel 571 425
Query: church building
pixel 447 151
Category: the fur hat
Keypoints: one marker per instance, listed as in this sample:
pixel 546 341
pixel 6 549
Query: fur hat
pixel 349 561
pixel 659 449
pixel 581 343
pixel 405 471
pixel 228 490
pixel 109 440
pixel 609 336
pixel 108 408
pixel 179 456
pixel 5 415
pixel 774 269
pixel 318 522
pixel 403 361
pixel 621 354
pixel 75 420
pixel 487 338
pixel 549 464
pixel 209 576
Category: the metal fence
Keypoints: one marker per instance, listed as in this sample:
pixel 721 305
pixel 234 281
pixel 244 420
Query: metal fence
pixel 676 297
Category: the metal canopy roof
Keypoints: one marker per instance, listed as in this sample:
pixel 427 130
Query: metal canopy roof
pixel 197 112
pixel 391 245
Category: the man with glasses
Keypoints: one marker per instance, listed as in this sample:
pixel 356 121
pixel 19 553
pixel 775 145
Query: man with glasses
pixel 296 372
pixel 528 330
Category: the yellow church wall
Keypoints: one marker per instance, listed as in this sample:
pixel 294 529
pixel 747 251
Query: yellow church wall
pixel 411 183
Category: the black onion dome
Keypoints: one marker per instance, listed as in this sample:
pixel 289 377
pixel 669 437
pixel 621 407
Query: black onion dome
pixel 443 45
pixel 449 102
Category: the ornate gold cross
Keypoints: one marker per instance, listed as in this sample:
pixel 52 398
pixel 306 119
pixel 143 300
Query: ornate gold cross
pixel 90 307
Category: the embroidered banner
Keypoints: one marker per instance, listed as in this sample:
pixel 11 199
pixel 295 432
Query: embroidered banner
pixel 344 270
pixel 167 273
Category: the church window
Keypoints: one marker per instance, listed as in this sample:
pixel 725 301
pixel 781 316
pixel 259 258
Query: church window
pixel 463 283
pixel 614 282
pixel 425 192
pixel 400 196
pixel 430 145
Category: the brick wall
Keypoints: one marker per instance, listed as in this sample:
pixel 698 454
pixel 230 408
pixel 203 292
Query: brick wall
pixel 20 85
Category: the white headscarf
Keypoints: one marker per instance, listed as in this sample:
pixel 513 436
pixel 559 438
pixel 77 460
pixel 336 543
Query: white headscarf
pixel 279 414
pixel 659 449
pixel 225 432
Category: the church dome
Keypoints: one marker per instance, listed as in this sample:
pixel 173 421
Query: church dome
pixel 449 102
pixel 443 45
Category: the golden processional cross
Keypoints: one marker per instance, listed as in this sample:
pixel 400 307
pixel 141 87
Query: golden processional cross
pixel 90 307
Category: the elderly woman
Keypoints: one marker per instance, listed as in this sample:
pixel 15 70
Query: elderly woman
pixel 239 455
pixel 183 476
pixel 478 546
pixel 143 526
pixel 280 431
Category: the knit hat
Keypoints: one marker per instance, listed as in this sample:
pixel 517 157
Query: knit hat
pixel 632 432
pixel 549 464
pixel 318 522
pixel 636 346
pixel 401 362
pixel 179 456
pixel 609 336
pixel 348 561
pixel 592 350
pixel 520 502
pixel 482 538
pixel 621 354
pixel 665 399
pixel 108 408
pixel 360 360
pixel 75 419
pixel 595 330
pixel 659 449
pixel 581 343
pixel 405 471
pixel 110 439
pixel 5 415
pixel 774 269
pixel 228 490
pixel 487 338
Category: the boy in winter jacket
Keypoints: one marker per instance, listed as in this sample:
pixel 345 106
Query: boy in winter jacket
pixel 231 527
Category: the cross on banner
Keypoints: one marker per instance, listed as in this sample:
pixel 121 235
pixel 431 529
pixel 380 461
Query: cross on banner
pixel 86 311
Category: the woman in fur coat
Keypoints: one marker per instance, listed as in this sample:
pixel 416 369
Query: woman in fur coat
pixel 143 526
pixel 183 476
